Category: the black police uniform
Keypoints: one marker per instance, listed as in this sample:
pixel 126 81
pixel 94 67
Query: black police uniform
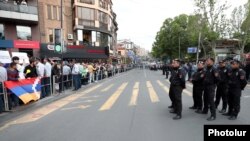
pixel 198 88
pixel 177 81
pixel 237 82
pixel 222 89
pixel 163 69
pixel 210 80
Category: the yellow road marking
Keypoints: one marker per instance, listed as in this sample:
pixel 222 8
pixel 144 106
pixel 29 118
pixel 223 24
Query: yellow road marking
pixel 153 96
pixel 78 107
pixel 112 99
pixel 107 88
pixel 166 89
pixel 135 94
pixel 43 111
pixel 185 91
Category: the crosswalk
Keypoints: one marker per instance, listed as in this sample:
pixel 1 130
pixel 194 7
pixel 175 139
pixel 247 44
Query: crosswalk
pixel 137 86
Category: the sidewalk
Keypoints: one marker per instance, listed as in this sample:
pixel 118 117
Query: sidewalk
pixel 25 109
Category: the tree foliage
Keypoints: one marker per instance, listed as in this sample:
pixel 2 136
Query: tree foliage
pixel 209 20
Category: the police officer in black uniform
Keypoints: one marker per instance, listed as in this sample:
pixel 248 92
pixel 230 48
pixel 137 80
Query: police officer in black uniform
pixel 237 82
pixel 198 87
pixel 210 80
pixel 222 87
pixel 168 70
pixel 177 85
pixel 163 69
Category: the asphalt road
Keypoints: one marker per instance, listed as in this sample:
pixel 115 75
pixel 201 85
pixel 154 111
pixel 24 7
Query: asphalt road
pixel 129 107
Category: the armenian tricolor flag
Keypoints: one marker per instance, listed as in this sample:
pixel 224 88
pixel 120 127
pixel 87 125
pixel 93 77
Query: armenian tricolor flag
pixel 27 89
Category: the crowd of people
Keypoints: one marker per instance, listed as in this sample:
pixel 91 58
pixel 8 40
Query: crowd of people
pixel 80 73
pixel 211 83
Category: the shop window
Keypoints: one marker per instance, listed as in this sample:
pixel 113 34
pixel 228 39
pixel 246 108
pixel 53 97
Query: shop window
pixel 87 37
pixel 2 37
pixel 23 32
pixel 28 51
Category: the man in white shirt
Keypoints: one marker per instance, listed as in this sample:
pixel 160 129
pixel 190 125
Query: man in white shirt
pixel 3 77
pixel 75 75
pixel 47 78
pixel 40 68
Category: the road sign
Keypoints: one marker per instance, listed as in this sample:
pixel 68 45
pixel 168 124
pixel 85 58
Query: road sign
pixel 192 50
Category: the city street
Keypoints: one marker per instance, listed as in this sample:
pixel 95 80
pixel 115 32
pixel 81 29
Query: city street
pixel 132 106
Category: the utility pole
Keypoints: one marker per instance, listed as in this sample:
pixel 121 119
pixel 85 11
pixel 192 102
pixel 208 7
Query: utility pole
pixel 62 44
pixel 198 48
pixel 179 47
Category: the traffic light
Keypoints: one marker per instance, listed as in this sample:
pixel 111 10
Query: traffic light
pixel 58 40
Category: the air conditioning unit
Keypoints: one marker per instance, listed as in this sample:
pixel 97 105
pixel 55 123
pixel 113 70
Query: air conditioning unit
pixel 70 36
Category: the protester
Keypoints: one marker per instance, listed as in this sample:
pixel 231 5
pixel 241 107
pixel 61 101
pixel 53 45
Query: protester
pixel 75 75
pixel 47 78
pixel 40 68
pixel 91 70
pixel 13 75
pixel 30 70
pixel 3 77
pixel 66 73
pixel 56 71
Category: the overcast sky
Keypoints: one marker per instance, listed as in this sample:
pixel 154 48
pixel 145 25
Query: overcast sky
pixel 140 20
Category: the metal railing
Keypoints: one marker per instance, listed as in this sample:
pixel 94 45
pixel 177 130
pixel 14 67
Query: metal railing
pixel 19 8
pixel 65 82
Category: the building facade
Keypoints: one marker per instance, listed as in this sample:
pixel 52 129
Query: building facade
pixel 50 19
pixel 19 30
pixel 89 27
pixel 94 24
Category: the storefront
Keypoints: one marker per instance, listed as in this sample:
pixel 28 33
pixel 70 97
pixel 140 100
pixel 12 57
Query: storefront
pixel 29 47
pixel 6 44
pixel 75 52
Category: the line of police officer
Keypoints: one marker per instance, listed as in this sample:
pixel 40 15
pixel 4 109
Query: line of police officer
pixel 229 82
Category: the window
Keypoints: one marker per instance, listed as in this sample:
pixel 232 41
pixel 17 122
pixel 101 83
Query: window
pixel 23 32
pixel 86 16
pixel 87 1
pixel 103 4
pixel 86 13
pixel 103 17
pixel 49 12
pixel 51 36
pixel 53 12
pixel 2 32
pixel 55 15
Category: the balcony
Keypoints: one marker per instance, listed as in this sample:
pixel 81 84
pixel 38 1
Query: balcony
pixel 92 2
pixel 10 11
